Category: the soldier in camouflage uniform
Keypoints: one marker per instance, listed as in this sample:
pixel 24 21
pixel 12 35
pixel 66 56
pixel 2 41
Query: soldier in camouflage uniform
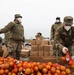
pixel 54 27
pixel 64 37
pixel 16 39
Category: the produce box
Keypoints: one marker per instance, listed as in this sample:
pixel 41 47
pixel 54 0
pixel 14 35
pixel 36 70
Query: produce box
pixel 25 53
pixel 44 42
pixel 41 51
pixel 49 59
pixel 34 47
pixel 34 52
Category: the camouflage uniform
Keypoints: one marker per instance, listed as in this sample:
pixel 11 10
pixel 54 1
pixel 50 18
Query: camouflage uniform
pixel 16 30
pixel 54 27
pixel 7 37
pixel 65 38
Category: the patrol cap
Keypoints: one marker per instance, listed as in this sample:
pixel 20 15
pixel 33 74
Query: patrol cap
pixel 68 20
pixel 57 18
pixel 18 15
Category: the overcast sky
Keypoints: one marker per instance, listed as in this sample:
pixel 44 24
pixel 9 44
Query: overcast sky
pixel 38 15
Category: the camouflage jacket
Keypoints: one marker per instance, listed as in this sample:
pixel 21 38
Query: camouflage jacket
pixel 7 35
pixel 53 30
pixel 64 38
pixel 16 30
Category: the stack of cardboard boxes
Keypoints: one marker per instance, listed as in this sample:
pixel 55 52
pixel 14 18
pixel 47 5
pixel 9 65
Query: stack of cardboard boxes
pixel 40 49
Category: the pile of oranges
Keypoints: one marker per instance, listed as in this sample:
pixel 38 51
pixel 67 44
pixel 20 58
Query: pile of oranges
pixel 11 66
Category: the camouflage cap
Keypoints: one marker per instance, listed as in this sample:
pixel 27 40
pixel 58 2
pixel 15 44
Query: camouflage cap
pixel 68 20
pixel 17 16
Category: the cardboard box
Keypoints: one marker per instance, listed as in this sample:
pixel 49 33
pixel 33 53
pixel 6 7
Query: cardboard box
pixel 25 53
pixel 49 59
pixel 35 58
pixel 34 52
pixel 5 53
pixel 41 51
pixel 34 47
pixel 46 53
pixel 44 42
pixel 38 42
pixel 47 48
pixel 33 42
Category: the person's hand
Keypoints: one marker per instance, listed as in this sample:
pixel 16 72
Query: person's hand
pixel 65 50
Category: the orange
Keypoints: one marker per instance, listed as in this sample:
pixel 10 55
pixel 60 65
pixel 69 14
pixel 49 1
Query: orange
pixel 27 71
pixel 44 70
pixel 9 73
pixel 58 67
pixel 11 63
pixel 28 65
pixel 36 68
pixel 32 73
pixel 6 65
pixel 53 69
pixel 20 69
pixel 40 67
pixel 39 73
pixel 63 72
pixel 44 64
pixel 38 63
pixel 48 67
pixel 1 62
pixel 62 68
pixel 15 70
pixel 68 71
pixel 58 71
pixel 49 74
pixel 19 64
pixel 13 74
pixel 50 63
pixel 34 63
pixel 56 74
pixel 1 71
pixel 63 58
pixel 72 66
pixel 6 71
pixel 70 62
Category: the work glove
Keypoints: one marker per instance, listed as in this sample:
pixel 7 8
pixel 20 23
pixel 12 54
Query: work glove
pixel 65 50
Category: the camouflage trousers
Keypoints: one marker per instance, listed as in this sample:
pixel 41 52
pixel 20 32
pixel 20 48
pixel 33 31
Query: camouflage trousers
pixel 14 48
